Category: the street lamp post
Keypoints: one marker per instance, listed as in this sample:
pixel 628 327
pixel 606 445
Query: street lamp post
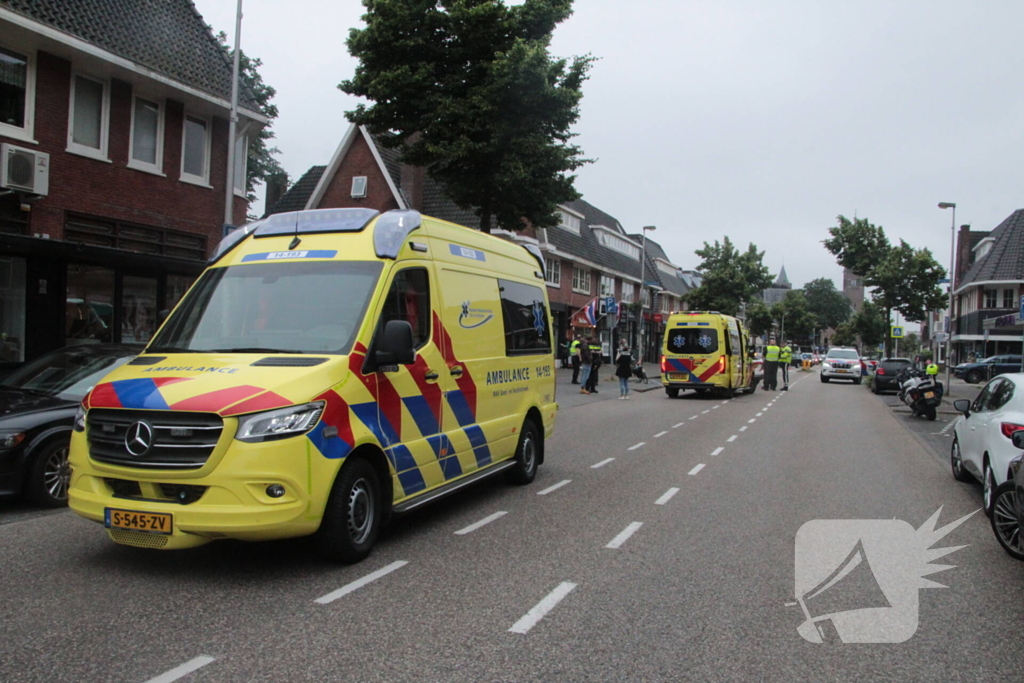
pixel 952 256
pixel 640 321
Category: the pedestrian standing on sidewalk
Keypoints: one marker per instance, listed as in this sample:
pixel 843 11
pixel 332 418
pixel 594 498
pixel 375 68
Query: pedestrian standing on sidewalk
pixel 785 359
pixel 584 365
pixel 574 355
pixel 771 365
pixel 624 369
pixel 595 363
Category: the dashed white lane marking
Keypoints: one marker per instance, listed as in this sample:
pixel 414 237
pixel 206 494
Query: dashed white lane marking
pixel 660 434
pixel 718 450
pixel 731 438
pixel 945 430
pixel 624 535
pixel 540 610
pixel 667 496
pixel 183 670
pixel 726 401
pixel 696 469
pixel 636 446
pixel 760 414
pixel 743 428
pixel 476 525
pixel 706 411
pixel 356 585
pixel 602 463
pixel 694 417
pixel 752 420
pixel 678 425
pixel 715 407
pixel 552 488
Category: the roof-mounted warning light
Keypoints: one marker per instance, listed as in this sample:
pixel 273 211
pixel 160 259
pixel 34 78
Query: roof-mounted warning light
pixel 391 230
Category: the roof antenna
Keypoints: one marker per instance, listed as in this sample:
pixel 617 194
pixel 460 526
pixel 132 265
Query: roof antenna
pixel 295 240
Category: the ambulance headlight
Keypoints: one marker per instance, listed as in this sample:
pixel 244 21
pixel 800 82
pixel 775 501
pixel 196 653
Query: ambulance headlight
pixel 279 424
pixel 80 418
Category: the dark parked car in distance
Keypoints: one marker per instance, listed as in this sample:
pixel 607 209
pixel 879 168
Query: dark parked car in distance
pixel 38 402
pixel 978 371
pixel 885 374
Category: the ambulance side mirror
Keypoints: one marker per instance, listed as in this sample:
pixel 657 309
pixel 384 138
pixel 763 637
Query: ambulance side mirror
pixel 395 346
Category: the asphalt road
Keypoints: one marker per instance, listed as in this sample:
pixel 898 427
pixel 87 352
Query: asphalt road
pixel 658 543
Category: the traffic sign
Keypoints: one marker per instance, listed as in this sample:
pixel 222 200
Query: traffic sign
pixel 897 332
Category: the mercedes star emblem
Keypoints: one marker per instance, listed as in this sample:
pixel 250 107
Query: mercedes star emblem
pixel 139 439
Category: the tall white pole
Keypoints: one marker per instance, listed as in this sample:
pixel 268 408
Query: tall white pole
pixel 952 256
pixel 640 327
pixel 229 192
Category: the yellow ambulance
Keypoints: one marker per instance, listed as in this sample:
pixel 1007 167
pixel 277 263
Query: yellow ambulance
pixel 706 351
pixel 330 368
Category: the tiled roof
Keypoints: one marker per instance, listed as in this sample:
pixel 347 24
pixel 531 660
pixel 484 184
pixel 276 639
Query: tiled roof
pixel 670 283
pixel 167 36
pixel 1005 260
pixel 585 244
pixel 298 194
pixel 437 204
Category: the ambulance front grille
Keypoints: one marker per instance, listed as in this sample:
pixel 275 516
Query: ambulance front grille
pixel 176 440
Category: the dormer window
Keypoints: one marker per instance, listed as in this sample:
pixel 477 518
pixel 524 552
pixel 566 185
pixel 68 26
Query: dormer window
pixel 612 240
pixel 569 221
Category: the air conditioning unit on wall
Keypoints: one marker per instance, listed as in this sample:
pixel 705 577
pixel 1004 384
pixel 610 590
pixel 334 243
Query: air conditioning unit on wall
pixel 24 170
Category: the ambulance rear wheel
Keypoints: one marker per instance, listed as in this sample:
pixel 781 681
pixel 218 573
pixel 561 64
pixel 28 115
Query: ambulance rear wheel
pixel 673 392
pixel 527 455
pixel 353 515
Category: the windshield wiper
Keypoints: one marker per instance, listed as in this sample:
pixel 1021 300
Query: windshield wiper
pixel 252 349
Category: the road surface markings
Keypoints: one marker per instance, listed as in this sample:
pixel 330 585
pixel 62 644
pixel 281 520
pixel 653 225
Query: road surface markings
pixel 945 430
pixel 636 446
pixel 718 450
pixel 694 417
pixel 752 420
pixel 715 407
pixel 726 401
pixel 602 463
pixel 678 425
pixel 667 496
pixel 706 411
pixel 552 488
pixel 541 609
pixel 760 414
pixel 624 535
pixel 486 520
pixel 183 670
pixel 731 438
pixel 743 428
pixel 356 585
pixel 660 434
pixel 696 469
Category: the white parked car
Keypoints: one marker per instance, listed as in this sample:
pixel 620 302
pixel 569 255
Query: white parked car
pixel 841 363
pixel 983 436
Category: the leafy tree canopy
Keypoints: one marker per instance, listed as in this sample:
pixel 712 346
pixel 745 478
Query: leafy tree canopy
pixel 845 335
pixel 857 244
pixel 871 324
pixel 759 319
pixel 730 279
pixel 828 305
pixel 793 316
pixel 468 90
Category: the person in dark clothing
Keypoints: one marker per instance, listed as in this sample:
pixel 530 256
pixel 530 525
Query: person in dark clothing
pixel 585 358
pixel 623 370
pixel 595 363
pixel 574 357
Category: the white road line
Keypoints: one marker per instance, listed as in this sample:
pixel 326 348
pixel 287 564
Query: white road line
pixel 660 434
pixel 751 420
pixel 540 610
pixel 678 425
pixel 718 450
pixel 743 428
pixel 696 469
pixel 356 585
pixel 476 525
pixel 667 496
pixel 694 417
pixel 760 414
pixel 624 535
pixel 715 407
pixel 183 670
pixel 706 411
pixel 636 446
pixel 602 463
pixel 726 401
pixel 731 438
pixel 552 488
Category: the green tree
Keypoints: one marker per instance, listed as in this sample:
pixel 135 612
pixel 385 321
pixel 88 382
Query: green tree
pixel 759 319
pixel 794 316
pixel 857 244
pixel 468 90
pixel 261 163
pixel 845 335
pixel 730 278
pixel 828 305
pixel 871 324
pixel 910 345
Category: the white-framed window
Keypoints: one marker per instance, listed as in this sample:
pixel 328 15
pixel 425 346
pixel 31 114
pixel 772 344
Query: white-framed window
pixel 607 286
pixel 569 221
pixel 89 116
pixel 666 303
pixel 1009 300
pixel 241 163
pixel 990 298
pixel 195 150
pixel 628 291
pixel 17 94
pixel 553 272
pixel 146 143
pixel 616 242
pixel 580 280
pixel 358 186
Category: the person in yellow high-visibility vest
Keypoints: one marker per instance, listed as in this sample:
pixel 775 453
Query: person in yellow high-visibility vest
pixel 574 358
pixel 785 360
pixel 772 352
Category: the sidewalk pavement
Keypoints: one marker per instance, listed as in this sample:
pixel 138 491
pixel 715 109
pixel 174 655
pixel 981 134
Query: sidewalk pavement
pixel 569 396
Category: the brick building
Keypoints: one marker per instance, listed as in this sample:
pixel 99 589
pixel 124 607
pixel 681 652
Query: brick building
pixel 114 126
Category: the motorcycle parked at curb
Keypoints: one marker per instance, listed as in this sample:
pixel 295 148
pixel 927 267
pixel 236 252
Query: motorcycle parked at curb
pixel 920 392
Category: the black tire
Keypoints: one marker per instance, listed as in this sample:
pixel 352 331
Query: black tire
pixel 956 462
pixel 973 377
pixel 824 379
pixel 1005 522
pixel 857 381
pixel 874 389
pixel 988 489
pixel 673 392
pixel 352 518
pixel 930 413
pixel 50 474
pixel 528 454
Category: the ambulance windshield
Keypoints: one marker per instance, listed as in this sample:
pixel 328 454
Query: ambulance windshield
pixel 272 307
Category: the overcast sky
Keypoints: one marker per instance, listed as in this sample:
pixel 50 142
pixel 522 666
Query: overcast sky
pixel 757 120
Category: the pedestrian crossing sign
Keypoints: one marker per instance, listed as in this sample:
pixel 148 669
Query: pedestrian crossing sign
pixel 897 332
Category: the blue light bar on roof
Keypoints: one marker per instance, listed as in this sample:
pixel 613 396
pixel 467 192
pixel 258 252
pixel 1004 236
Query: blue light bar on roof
pixel 315 221
pixel 391 230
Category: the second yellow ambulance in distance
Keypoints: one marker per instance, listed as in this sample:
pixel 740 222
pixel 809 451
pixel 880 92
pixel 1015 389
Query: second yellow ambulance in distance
pixel 328 369
pixel 706 351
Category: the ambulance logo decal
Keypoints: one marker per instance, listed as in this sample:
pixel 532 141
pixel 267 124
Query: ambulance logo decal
pixel 471 318
pixel 538 318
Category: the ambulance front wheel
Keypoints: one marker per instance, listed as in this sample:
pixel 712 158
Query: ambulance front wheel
pixel 353 515
pixel 673 392
pixel 527 455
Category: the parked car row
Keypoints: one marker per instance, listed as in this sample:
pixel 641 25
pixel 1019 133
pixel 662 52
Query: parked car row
pixel 986 368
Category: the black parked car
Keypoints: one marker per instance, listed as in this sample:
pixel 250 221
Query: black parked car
pixel 885 374
pixel 1007 503
pixel 37 410
pixel 972 373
